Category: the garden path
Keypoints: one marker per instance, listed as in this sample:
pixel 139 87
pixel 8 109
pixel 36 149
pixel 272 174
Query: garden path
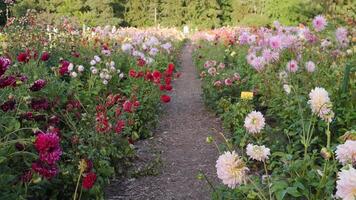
pixel 179 147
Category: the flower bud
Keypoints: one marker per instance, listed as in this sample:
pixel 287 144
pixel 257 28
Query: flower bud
pixel 325 153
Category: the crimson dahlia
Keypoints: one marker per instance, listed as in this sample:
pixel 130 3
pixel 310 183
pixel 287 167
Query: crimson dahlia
pixel 89 180
pixel 38 85
pixel 23 57
pixel 45 56
pixel 39 104
pixel 48 147
pixel 165 98
pixel 8 105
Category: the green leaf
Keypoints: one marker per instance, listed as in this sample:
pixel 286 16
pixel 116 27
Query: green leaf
pixel 293 191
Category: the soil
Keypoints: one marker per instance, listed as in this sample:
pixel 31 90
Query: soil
pixel 167 165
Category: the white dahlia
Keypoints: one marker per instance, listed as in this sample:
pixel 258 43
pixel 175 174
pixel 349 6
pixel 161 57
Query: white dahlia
pixel 320 104
pixel 254 122
pixel 231 169
pixel 346 184
pixel 259 153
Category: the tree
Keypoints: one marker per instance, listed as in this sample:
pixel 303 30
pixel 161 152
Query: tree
pixel 172 13
pixel 226 10
pixel 203 13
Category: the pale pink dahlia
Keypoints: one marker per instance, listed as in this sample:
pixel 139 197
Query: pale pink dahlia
pixel 320 103
pixel 259 153
pixel 292 66
pixel 319 23
pixel 341 36
pixel 310 66
pixel 346 153
pixel 231 169
pixel 346 184
pixel 254 122
pixel 275 42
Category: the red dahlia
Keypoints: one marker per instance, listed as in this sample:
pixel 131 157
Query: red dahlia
pixel 165 98
pixel 89 180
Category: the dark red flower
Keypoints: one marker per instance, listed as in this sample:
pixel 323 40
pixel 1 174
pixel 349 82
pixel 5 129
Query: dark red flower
pixel 53 120
pixel 89 165
pixel 141 62
pixel 63 69
pixel 7 81
pixel 165 98
pixel 19 146
pixel 23 57
pixel 156 74
pixel 149 76
pixel 39 104
pixel 132 73
pixel 162 87
pixel 45 56
pixel 136 104
pixel 8 105
pixel 168 87
pixel 26 176
pixel 76 54
pixel 120 125
pixel 140 74
pixel 45 170
pixel 168 80
pixel 89 180
pixel 27 116
pixel 127 106
pixel 38 85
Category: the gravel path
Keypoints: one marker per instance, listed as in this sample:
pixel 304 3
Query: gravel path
pixel 179 144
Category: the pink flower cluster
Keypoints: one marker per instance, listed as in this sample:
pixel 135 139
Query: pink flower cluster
pixel 48 147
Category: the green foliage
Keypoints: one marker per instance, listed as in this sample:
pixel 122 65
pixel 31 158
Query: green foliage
pixel 172 13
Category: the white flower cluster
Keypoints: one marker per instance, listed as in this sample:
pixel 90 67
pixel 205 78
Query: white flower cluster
pixel 105 73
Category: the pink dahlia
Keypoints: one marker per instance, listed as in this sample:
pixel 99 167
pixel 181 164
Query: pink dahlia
pixel 275 42
pixel 319 23
pixel 346 184
pixel 341 36
pixel 254 122
pixel 4 65
pixel 47 144
pixel 292 66
pixel 346 153
pixel 310 66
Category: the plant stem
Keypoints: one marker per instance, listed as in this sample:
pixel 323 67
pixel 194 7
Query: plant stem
pixel 268 182
pixel 76 188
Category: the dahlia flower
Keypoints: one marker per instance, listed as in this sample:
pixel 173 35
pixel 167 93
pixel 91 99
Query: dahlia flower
pixel 48 147
pixel 254 122
pixel 341 36
pixel 320 104
pixel 4 65
pixel 319 23
pixel 89 180
pixel 287 88
pixel 259 153
pixel 346 184
pixel 292 66
pixel 346 153
pixel 38 85
pixel 275 42
pixel 310 66
pixel 231 169
pixel 46 171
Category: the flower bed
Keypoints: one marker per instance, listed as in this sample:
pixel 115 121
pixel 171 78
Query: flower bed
pixel 73 103
pixel 287 96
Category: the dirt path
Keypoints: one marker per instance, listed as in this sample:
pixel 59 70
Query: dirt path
pixel 179 144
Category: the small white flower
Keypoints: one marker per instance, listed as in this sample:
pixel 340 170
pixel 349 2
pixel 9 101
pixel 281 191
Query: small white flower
pixel 112 69
pixel 97 58
pixel 286 88
pixel 70 67
pixel 80 68
pixel 121 75
pixel 74 74
pixel 118 71
pixel 102 75
pixel 94 71
pixel 92 62
pixel 105 82
pixel 112 64
pixel 107 76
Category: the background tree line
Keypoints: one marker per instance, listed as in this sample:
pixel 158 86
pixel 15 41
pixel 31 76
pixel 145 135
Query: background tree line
pixel 196 13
